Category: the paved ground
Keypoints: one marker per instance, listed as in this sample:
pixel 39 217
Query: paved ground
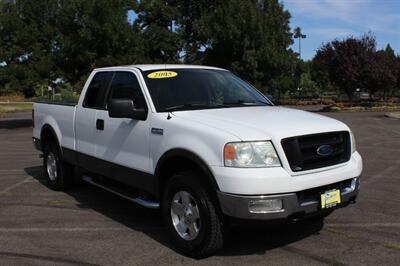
pixel 87 226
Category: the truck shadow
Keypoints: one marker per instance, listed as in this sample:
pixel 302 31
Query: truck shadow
pixel 245 238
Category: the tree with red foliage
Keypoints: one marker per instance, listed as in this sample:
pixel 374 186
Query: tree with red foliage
pixel 347 61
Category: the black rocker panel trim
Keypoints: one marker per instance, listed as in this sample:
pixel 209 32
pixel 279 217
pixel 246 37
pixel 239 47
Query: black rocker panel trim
pixel 125 175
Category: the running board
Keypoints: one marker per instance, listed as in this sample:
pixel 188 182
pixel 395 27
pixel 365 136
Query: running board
pixel 138 200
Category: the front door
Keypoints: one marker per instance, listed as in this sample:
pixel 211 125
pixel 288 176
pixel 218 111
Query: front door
pixel 124 142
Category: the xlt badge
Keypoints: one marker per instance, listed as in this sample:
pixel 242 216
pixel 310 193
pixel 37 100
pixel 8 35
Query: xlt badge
pixel 157 131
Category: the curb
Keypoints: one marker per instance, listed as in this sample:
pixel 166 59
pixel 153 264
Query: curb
pixel 16 120
pixel 15 123
pixel 393 115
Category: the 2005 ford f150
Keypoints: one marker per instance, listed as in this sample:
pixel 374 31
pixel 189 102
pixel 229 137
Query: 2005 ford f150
pixel 200 144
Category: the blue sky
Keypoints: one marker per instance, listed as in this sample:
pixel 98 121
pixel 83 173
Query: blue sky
pixel 325 20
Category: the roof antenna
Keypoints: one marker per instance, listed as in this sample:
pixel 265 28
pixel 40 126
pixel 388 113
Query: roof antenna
pixel 169 116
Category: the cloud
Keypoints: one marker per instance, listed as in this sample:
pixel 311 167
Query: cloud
pixel 325 20
pixel 364 15
pixel 330 33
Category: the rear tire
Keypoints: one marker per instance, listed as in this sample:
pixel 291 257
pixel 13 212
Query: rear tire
pixel 192 215
pixel 59 175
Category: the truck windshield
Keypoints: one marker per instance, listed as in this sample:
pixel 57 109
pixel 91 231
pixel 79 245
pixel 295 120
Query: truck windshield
pixel 194 89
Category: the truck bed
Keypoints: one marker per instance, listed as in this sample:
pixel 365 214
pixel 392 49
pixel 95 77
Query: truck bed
pixel 60 116
pixel 65 103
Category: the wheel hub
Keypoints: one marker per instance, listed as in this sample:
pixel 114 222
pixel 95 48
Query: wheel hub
pixel 51 166
pixel 185 215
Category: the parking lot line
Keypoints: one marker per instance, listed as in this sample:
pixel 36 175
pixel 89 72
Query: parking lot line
pixel 50 259
pixel 11 170
pixel 76 229
pixel 26 180
pixel 364 225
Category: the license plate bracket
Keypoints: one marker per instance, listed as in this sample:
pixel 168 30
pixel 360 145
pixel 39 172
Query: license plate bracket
pixel 330 198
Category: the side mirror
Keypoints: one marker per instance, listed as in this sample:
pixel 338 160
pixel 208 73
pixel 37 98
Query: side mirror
pixel 124 108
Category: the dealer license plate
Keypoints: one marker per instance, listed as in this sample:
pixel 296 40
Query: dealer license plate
pixel 330 198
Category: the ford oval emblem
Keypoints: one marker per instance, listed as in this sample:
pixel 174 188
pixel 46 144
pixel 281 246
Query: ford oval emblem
pixel 325 150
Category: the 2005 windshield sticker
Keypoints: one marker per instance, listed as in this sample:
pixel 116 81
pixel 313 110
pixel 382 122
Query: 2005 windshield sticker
pixel 162 74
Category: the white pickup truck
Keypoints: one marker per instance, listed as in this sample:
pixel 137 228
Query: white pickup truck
pixel 200 144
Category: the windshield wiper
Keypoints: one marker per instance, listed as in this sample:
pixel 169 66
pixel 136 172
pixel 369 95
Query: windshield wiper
pixel 184 107
pixel 191 106
pixel 243 102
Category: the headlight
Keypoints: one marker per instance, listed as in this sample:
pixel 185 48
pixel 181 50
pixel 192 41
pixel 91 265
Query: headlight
pixel 251 154
pixel 353 142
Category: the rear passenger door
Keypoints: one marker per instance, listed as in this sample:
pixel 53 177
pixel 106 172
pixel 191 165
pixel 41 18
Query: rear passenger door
pixel 125 142
pixel 86 125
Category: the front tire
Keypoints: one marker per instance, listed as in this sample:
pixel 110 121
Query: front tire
pixel 59 175
pixel 192 216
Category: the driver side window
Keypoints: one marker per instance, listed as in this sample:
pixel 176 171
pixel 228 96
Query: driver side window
pixel 126 86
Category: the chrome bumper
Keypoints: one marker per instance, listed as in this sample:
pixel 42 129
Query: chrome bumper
pixel 295 205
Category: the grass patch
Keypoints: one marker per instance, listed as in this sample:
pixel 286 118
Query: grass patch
pixel 392 246
pixel 378 108
pixel 15 107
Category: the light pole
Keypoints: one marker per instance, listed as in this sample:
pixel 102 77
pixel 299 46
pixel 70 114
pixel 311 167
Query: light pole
pixel 299 35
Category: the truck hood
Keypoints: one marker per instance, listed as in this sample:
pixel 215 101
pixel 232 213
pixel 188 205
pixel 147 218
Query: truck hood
pixel 263 122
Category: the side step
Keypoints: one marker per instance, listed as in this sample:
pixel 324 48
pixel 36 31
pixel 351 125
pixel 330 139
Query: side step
pixel 121 192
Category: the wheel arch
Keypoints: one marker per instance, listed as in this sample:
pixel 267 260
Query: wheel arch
pixel 47 133
pixel 180 159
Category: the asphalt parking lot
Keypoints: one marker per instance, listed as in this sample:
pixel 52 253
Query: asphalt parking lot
pixel 88 226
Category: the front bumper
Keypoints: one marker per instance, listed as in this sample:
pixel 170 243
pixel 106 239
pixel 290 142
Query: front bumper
pixel 295 205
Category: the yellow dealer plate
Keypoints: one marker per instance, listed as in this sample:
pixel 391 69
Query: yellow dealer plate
pixel 162 74
pixel 330 198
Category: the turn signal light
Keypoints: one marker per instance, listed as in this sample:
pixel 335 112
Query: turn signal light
pixel 229 152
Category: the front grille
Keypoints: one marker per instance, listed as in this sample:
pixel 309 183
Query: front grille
pixel 304 152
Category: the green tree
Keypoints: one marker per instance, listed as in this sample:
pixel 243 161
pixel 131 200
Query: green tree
pixel 27 34
pixel 191 14
pixel 248 37
pixel 397 89
pixel 320 75
pixel 308 88
pixel 96 33
pixel 157 20
pixel 48 39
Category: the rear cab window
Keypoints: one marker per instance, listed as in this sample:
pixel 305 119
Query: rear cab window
pixel 97 91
